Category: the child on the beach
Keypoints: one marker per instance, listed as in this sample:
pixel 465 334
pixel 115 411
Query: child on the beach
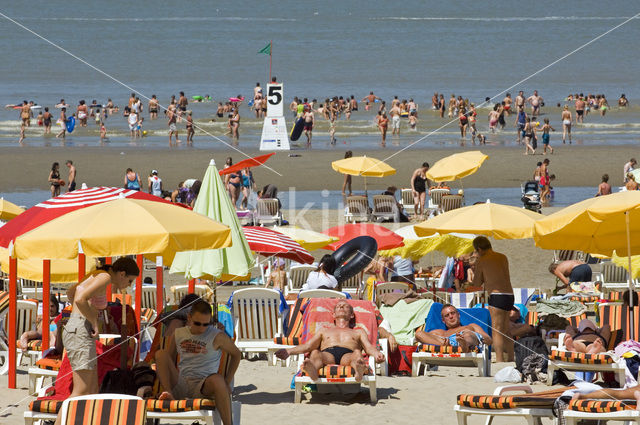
pixel 413 121
pixel 103 132
pixel 139 128
pixel 545 136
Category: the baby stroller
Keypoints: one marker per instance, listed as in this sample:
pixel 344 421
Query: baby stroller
pixel 531 196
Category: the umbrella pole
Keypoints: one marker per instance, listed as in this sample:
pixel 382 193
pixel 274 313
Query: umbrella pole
pixel 631 288
pixel 215 300
pixel 139 289
pixel 46 302
pixel 12 321
pixel 108 260
pixel 159 285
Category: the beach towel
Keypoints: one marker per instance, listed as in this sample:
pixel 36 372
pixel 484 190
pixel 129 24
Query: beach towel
pixel 406 318
pixel 479 316
pixel 563 308
pixel 391 298
pixel 319 314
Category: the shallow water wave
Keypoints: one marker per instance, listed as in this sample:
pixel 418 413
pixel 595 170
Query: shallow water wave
pixel 160 19
pixel 503 19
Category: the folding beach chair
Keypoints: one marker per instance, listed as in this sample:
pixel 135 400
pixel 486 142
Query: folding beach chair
pixel 451 202
pixel 614 276
pixel 602 411
pixel 407 201
pixel 321 293
pixel 257 319
pixel 293 327
pixel 179 291
pixel 435 196
pixel 531 406
pixel 318 313
pixel 453 356
pixel 268 212
pixel 357 209
pixel 298 276
pixel 385 208
pixel 464 299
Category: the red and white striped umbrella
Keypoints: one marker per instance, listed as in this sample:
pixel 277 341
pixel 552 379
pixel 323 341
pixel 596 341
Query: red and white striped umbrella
pixel 269 242
pixel 60 205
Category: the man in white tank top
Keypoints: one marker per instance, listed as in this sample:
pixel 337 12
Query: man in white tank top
pixel 199 346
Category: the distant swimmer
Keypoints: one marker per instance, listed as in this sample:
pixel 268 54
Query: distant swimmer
pixel 623 102
pixel 369 99
pixel 520 101
pixel 507 103
pixel 62 104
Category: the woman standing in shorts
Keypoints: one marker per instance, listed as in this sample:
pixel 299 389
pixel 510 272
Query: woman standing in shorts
pixel 81 330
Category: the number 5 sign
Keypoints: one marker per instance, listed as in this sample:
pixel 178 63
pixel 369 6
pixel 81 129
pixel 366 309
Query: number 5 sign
pixel 274 100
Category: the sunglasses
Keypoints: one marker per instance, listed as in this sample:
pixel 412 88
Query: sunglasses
pixel 203 325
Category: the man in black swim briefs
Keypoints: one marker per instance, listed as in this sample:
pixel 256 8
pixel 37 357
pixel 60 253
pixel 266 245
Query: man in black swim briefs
pixel 571 271
pixel 492 272
pixel 339 344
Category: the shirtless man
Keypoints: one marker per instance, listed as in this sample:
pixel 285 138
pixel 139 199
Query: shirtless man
pixel 153 108
pixel 492 272
pixel 338 344
pixel 353 103
pixel 507 104
pixel 309 120
pixel 466 337
pixel 435 104
pixel 182 102
pixel 520 101
pixel 580 107
pixel 604 188
pixel 571 271
pixel 171 122
pixel 535 101
pixel 395 119
pixel 370 98
pixel 72 176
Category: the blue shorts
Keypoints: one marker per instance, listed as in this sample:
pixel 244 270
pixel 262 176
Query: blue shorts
pixel 545 138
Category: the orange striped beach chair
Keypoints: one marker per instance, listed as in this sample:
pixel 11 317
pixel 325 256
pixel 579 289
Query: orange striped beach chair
pixel 530 405
pixel 293 324
pixel 104 409
pixel 601 410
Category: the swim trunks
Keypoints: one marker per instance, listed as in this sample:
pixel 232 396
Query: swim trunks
pixel 501 301
pixel 545 138
pixel 581 273
pixel 395 122
pixel 579 112
pixel 454 342
pixel 172 127
pixel 308 126
pixel 337 352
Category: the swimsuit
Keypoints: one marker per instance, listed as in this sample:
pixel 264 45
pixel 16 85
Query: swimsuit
pixel 501 301
pixel 581 273
pixel 545 138
pixel 454 342
pixel 234 176
pixel 419 184
pixel 337 352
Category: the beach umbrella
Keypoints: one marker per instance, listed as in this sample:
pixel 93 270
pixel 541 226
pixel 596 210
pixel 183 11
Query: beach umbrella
pixel 269 242
pixel 231 263
pixel 9 210
pixel 416 247
pixel 624 262
pixel 62 271
pixel 308 239
pixel 386 239
pixel 123 227
pixel 363 166
pixel 246 163
pixel 495 220
pixel 456 166
pixel 60 205
pixel 599 225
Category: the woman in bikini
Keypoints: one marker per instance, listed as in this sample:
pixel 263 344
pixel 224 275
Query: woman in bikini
pixel 566 124
pixel 529 135
pixel 464 122
pixel 493 118
pixel 54 179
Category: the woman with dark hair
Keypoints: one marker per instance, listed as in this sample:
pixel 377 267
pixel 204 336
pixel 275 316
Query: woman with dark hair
pixel 270 192
pixel 54 179
pixel 323 277
pixel 194 192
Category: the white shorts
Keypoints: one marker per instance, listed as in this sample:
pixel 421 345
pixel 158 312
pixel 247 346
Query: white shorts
pixel 395 122
pixel 172 127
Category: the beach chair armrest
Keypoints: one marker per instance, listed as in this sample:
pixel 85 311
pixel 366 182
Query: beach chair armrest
pixel 561 338
pixel 42 392
pixel 513 388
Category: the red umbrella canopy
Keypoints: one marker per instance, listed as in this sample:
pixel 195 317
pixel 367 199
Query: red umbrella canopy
pixel 269 242
pixel 386 238
pixel 60 205
pixel 246 163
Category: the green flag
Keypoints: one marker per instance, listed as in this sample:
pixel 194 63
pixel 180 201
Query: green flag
pixel 266 49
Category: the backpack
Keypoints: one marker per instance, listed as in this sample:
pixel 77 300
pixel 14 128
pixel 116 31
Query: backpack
pixel 527 346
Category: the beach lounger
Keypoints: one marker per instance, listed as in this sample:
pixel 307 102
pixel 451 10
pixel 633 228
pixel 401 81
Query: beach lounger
pixel 567 254
pixel 385 208
pixel 464 299
pixel 257 319
pixel 407 201
pixel 352 285
pixel 298 276
pixel 435 196
pixel 103 409
pixel 614 276
pixel 321 293
pixel 30 289
pixel 524 295
pixel 602 411
pixel 267 212
pixel 26 315
pixel 318 312
pixel 293 327
pixel 451 202
pixel 530 406
pixel 389 288
pixel 179 291
pixel 357 209
pixel 453 356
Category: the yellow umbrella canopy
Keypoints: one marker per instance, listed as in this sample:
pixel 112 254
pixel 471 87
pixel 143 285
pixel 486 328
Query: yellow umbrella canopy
pixel 596 225
pixel 624 262
pixel 363 166
pixel 456 166
pixel 416 247
pixel 122 227
pixel 495 220
pixel 61 271
pixel 308 239
pixel 9 210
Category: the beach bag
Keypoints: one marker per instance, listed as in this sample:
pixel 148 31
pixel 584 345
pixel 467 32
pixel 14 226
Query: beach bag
pixel 527 346
pixel 400 360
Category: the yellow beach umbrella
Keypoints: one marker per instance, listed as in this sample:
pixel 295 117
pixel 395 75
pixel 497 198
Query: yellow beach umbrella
pixel 308 239
pixel 495 220
pixel 122 227
pixel 624 262
pixel 456 166
pixel 416 247
pixel 62 271
pixel 363 166
pixel 9 210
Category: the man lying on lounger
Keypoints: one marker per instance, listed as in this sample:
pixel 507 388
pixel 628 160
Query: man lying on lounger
pixel 466 337
pixel 339 344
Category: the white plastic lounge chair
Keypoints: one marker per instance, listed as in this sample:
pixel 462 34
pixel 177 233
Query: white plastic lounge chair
pixel 523 295
pixel 268 212
pixel 614 276
pixel 407 201
pixel 464 299
pixel 30 289
pixel 321 293
pixel 352 285
pixel 601 411
pixel 451 202
pixel 27 312
pixel 385 207
pixel 179 291
pixel 435 195
pixel 390 287
pixel 357 209
pixel 298 276
pixel 257 319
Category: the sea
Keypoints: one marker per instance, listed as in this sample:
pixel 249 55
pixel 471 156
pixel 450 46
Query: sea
pixel 99 50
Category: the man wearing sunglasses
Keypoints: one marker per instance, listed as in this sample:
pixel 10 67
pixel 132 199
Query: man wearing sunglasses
pixel 466 337
pixel 199 346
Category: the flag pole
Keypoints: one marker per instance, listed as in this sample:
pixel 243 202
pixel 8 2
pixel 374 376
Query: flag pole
pixel 270 57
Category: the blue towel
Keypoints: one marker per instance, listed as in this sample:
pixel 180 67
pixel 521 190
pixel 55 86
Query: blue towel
pixel 479 316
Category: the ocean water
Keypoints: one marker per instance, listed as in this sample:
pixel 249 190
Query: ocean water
pixel 320 49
